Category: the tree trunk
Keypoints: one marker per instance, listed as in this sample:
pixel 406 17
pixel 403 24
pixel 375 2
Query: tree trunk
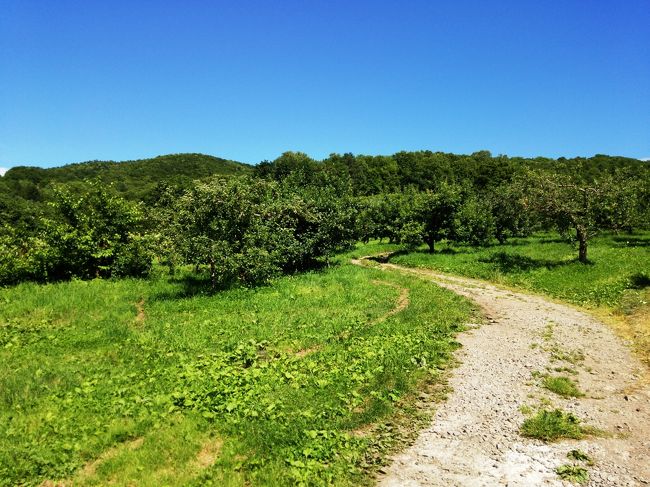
pixel 431 243
pixel 581 235
pixel 213 275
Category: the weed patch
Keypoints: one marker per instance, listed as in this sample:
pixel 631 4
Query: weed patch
pixel 570 356
pixel 562 386
pixel 580 456
pixel 552 425
pixel 573 473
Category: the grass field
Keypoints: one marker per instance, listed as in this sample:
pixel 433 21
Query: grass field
pixel 310 380
pixel 615 284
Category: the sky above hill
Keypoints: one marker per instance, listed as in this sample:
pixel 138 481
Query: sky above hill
pixel 247 80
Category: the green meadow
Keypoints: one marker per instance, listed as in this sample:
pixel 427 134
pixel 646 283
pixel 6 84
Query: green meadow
pixel 615 284
pixel 312 379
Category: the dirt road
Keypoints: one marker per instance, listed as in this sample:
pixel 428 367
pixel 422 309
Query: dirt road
pixel 474 438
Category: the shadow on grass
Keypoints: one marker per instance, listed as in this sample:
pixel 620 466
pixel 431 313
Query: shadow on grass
pixel 386 256
pixel 640 280
pixel 448 251
pixel 554 240
pixel 507 263
pixel 190 284
pixel 629 241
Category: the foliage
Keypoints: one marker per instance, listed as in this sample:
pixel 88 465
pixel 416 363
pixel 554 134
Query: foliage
pixel 425 170
pixel 134 180
pixel 436 210
pixel 580 456
pixel 573 473
pixel 250 231
pixel 90 234
pixel 380 217
pixel 474 222
pixel 409 197
pixel 509 212
pixel 298 165
pixel 584 208
pixel 410 217
pixel 19 256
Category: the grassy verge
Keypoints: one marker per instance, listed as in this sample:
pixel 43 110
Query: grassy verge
pixel 616 284
pixel 154 383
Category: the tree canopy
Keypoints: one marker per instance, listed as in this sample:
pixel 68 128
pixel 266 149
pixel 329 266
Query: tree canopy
pixel 248 224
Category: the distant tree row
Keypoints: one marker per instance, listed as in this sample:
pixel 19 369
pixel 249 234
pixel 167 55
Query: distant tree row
pixel 452 212
pixel 294 213
pixel 423 197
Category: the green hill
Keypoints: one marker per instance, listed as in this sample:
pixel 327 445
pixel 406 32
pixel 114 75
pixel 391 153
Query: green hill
pixel 134 179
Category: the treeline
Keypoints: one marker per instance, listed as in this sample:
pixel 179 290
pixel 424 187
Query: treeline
pixel 423 197
pixel 425 170
pixel 291 214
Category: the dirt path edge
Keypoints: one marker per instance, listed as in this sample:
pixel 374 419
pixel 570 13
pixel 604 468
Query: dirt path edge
pixel 474 437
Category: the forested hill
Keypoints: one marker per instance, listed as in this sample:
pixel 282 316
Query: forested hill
pixel 425 169
pixel 135 180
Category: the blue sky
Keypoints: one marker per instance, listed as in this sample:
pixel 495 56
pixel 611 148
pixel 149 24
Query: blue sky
pixel 247 80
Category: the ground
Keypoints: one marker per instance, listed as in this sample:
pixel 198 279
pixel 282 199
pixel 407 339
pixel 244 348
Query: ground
pixel 475 437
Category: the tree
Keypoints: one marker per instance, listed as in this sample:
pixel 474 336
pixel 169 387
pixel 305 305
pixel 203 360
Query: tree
pixel 508 212
pixel 299 165
pixel 248 231
pixel 474 222
pixel 436 210
pixel 89 232
pixel 585 208
pixel 94 233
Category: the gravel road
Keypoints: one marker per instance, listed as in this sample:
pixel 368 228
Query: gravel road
pixel 474 437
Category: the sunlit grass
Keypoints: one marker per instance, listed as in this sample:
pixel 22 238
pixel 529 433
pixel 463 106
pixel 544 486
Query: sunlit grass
pixel 274 381
pixel 547 264
pixel 615 284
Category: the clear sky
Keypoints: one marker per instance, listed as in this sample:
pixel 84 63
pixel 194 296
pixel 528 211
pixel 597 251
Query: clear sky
pixel 247 80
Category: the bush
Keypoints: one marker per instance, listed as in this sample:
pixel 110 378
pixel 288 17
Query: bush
pixel 90 233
